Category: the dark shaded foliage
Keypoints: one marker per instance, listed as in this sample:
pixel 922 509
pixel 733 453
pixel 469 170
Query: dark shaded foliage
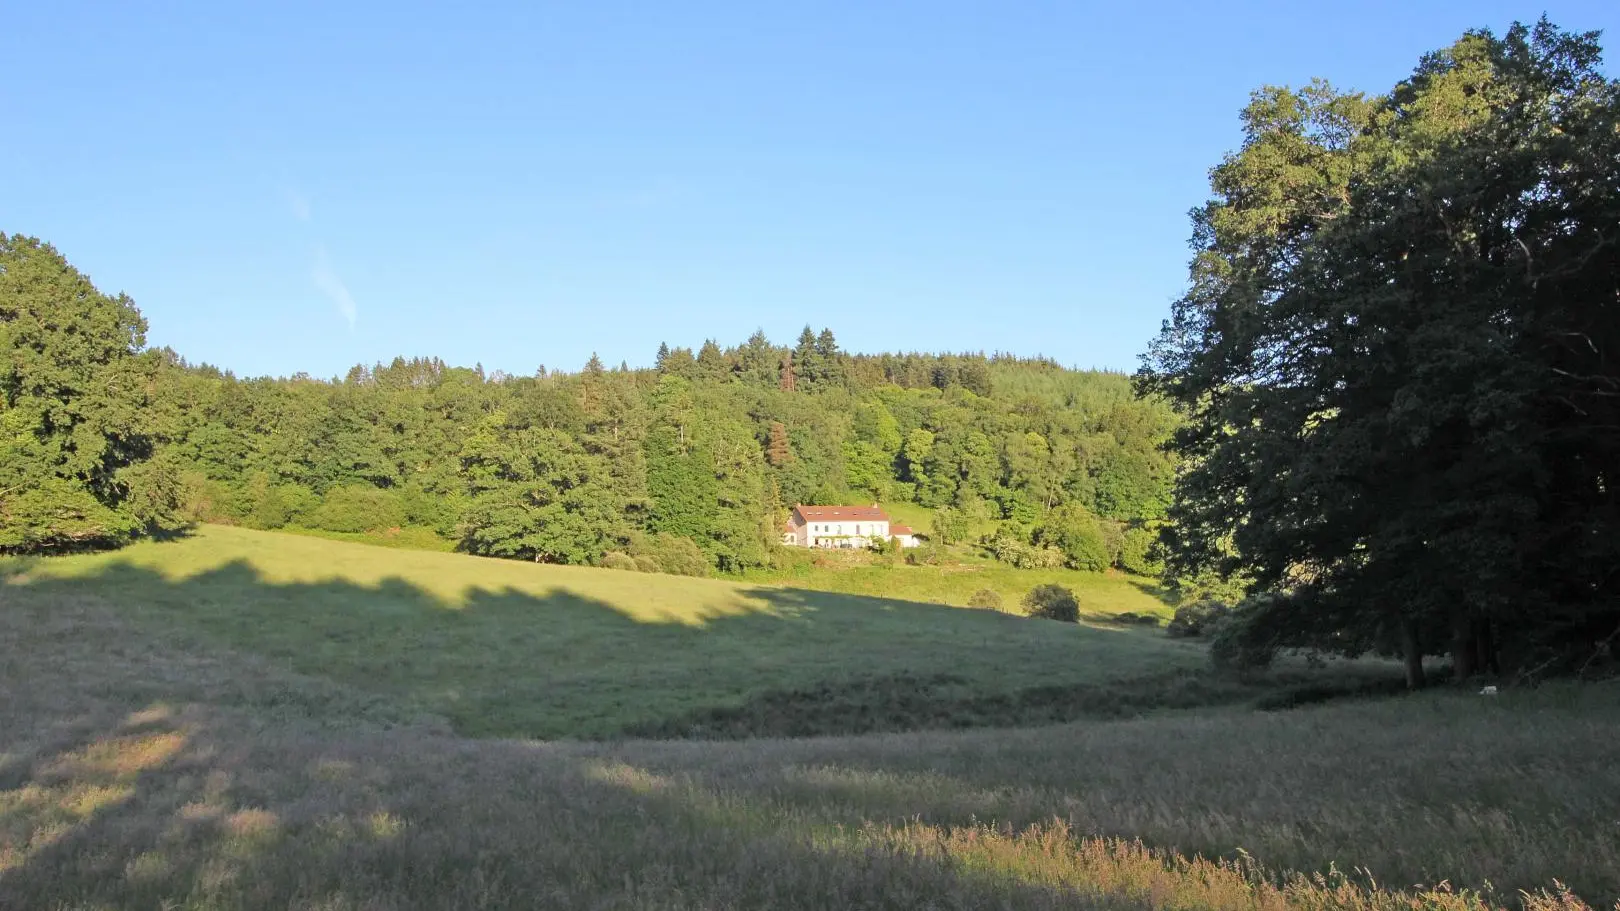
pixel 1197 619
pixel 1052 602
pixel 1400 363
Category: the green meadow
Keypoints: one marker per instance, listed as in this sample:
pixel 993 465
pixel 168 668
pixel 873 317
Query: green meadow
pixel 242 719
pixel 509 649
pixel 1101 595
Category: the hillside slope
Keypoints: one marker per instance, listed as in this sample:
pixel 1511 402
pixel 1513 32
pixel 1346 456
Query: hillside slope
pixel 502 648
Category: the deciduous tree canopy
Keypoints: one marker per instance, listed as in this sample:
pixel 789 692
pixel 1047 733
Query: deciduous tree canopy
pixel 1399 358
pixel 75 445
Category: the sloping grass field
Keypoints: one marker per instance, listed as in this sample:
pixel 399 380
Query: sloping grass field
pixel 861 573
pixel 508 649
pixel 250 720
pixel 1101 595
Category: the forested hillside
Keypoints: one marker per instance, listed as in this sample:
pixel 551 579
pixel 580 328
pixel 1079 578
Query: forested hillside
pixel 691 464
pixel 685 466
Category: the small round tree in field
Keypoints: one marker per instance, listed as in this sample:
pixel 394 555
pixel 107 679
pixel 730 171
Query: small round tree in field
pixel 987 598
pixel 1201 618
pixel 615 560
pixel 1052 602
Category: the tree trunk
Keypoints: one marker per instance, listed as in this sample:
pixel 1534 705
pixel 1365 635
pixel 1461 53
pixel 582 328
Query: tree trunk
pixel 1464 646
pixel 1413 653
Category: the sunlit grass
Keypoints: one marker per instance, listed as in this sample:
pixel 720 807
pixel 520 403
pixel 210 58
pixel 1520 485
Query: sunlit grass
pixel 859 573
pixel 448 580
pixel 963 573
pixel 503 648
pixel 1101 595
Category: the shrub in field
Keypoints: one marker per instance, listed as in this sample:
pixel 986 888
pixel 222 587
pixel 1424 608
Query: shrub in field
pixel 1113 532
pixel 1234 648
pixel 950 525
pixel 1078 534
pixel 670 554
pixel 1018 554
pixel 301 502
pixel 266 506
pixel 1244 638
pixel 1136 619
pixel 1007 531
pixel 1196 619
pixel 1033 557
pixel 1008 540
pixel 615 560
pixel 985 597
pixel 1139 552
pixel 795 560
pixel 412 537
pixel 431 509
pixel 358 508
pixel 261 505
pixel 205 500
pixel 1052 602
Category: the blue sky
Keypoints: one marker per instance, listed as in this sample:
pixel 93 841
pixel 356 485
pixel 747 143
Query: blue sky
pixel 302 187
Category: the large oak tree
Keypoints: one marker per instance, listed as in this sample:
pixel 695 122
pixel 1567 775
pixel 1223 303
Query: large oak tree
pixel 75 440
pixel 1400 359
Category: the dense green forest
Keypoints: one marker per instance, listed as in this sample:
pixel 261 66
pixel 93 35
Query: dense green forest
pixel 686 466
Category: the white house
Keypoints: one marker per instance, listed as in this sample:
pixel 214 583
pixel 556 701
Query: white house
pixel 843 527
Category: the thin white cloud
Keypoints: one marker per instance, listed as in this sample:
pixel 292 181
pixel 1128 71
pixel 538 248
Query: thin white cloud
pixel 338 293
